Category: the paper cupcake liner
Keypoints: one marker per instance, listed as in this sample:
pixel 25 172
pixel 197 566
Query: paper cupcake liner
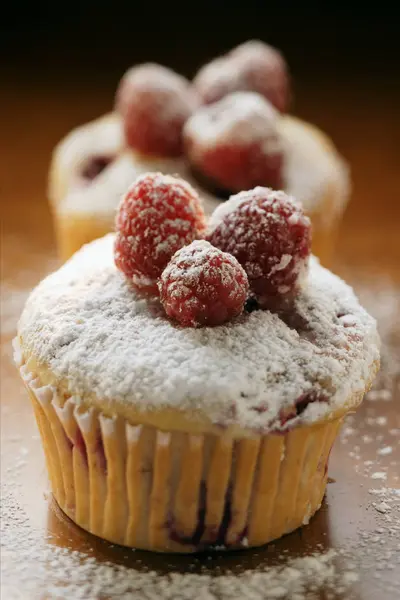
pixel 170 491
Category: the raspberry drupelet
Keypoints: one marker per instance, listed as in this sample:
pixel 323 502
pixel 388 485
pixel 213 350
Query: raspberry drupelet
pixel 154 103
pixel 269 234
pixel 236 142
pixel 252 66
pixel 158 215
pixel 203 286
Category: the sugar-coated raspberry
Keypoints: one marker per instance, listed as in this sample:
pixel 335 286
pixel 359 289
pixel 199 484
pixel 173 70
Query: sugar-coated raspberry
pixel 236 142
pixel 269 234
pixel 203 286
pixel 252 66
pixel 158 215
pixel 154 103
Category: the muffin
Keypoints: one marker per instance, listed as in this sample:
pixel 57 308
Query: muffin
pixel 154 127
pixel 191 416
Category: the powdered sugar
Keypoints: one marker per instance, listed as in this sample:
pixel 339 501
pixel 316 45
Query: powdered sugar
pixel 36 565
pixel 235 143
pixel 87 325
pixel 175 99
pixel 158 215
pixel 283 263
pixel 222 210
pixel 385 451
pixel 273 251
pixel 241 118
pixel 312 167
pixel 203 286
pixel 379 475
pixel 195 258
pixel 310 172
pixel 46 569
pixel 253 66
pixel 104 194
pixel 217 78
pixel 381 296
pixel 154 103
pixel 100 137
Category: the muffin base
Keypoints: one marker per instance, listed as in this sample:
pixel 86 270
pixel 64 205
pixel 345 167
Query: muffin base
pixel 169 491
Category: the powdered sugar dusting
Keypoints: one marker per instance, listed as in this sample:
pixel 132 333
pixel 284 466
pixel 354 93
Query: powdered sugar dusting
pixel 310 171
pixel 87 325
pixel 104 194
pixel 45 569
pixel 174 100
pixel 242 118
pixel 99 137
pixel 381 296
pixel 218 77
pixel 202 285
pixel 283 263
pixel 200 255
pixel 252 66
pixel 313 168
pixel 158 215
pixel 257 230
pixel 224 209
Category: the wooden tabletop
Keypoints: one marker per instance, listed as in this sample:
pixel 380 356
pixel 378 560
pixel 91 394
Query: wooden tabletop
pixel 360 517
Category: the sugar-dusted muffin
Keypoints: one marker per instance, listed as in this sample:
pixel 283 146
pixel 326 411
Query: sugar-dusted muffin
pixel 221 132
pixel 165 433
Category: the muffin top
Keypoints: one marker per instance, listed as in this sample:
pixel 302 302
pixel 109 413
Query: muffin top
pixel 311 168
pixel 263 371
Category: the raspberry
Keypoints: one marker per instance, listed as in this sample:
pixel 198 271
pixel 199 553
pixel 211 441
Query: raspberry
pixel 158 215
pixel 203 286
pixel 252 66
pixel 236 143
pixel 154 103
pixel 270 236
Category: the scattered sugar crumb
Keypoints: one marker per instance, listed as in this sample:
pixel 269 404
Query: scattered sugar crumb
pixel 379 475
pixel 385 450
pixel 375 395
pixel 382 507
pixel 58 572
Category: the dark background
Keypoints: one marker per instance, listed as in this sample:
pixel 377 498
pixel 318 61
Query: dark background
pixel 60 64
pixel 95 39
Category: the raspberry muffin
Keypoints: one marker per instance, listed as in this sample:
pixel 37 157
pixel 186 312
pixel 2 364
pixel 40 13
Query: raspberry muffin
pixel 188 392
pixel 225 131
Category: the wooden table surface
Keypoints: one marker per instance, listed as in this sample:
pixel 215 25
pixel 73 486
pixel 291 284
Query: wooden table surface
pixel 364 120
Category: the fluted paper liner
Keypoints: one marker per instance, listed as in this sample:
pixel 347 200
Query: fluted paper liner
pixel 170 491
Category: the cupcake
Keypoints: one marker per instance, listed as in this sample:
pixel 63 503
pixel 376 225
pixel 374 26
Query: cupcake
pixel 188 391
pixel 225 131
